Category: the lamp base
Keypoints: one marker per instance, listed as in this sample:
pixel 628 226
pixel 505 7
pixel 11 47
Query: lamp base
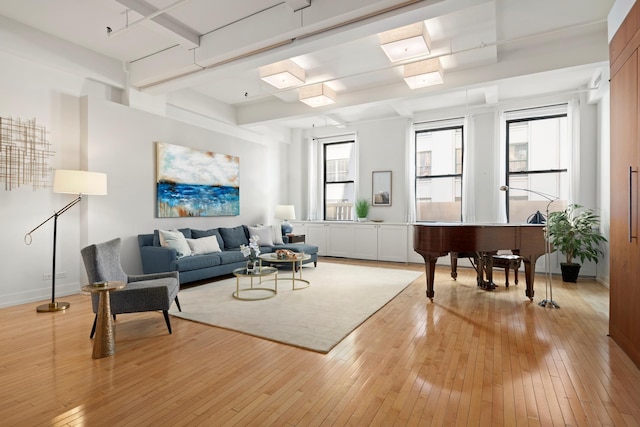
pixel 52 306
pixel 548 302
pixel 286 227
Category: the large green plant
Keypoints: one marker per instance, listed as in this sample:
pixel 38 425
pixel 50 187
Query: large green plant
pixel 362 208
pixel 576 233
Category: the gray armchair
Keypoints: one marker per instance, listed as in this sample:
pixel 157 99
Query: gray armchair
pixel 146 292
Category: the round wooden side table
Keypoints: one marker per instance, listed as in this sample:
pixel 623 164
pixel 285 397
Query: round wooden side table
pixel 104 342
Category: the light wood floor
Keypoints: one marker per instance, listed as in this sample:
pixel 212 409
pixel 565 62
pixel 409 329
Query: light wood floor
pixel 470 358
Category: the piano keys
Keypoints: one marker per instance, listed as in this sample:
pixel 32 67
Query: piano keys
pixel 434 240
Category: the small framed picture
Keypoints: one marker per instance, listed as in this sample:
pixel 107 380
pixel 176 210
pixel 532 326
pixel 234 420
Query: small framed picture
pixel 381 191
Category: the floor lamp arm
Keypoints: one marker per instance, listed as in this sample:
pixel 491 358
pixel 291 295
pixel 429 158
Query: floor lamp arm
pixel 53 305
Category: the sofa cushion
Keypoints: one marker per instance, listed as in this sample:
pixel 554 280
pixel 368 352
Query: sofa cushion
pixel 276 234
pixel 300 247
pixel 231 256
pixel 174 239
pixel 264 235
pixel 199 234
pixel 156 235
pixel 234 237
pixel 204 245
pixel 198 261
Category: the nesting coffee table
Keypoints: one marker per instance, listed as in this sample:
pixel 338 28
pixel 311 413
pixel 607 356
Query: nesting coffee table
pixel 296 266
pixel 259 274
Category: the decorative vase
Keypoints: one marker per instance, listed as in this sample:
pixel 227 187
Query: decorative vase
pixel 253 266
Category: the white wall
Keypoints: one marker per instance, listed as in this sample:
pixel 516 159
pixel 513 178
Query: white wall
pixel 90 132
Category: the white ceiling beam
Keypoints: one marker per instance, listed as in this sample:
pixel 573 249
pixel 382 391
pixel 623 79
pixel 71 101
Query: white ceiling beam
pixel 185 36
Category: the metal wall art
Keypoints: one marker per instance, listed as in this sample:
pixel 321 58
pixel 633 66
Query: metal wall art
pixel 24 154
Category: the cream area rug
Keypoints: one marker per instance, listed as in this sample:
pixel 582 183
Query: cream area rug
pixel 317 318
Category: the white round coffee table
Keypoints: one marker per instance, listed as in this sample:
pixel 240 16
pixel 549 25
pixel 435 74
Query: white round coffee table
pixel 258 291
pixel 296 265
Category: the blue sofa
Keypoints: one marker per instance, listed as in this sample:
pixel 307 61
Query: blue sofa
pixel 156 259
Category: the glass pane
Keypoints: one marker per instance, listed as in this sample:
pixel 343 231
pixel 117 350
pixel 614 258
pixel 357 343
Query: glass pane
pixel 537 146
pixel 522 204
pixel 438 199
pixel 436 152
pixel 339 200
pixel 340 162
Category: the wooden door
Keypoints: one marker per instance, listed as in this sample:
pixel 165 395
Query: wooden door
pixel 624 316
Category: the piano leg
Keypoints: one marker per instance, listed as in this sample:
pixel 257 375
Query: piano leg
pixel 529 274
pixel 453 256
pixel 430 270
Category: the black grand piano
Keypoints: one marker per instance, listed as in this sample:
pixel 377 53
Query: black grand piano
pixel 438 239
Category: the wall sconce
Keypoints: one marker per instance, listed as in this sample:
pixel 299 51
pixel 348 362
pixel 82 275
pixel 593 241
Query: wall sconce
pixel 283 74
pixel 405 42
pixel 317 95
pixel 423 73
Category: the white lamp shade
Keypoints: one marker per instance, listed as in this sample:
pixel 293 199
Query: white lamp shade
pixel 80 182
pixel 283 74
pixel 405 42
pixel 285 212
pixel 423 73
pixel 317 95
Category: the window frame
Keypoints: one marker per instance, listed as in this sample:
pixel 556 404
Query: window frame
pixel 456 176
pixel 324 174
pixel 528 171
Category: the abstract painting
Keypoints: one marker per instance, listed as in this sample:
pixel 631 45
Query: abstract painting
pixel 196 183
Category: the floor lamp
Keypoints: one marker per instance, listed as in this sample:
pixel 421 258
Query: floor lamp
pixel 548 286
pixel 68 182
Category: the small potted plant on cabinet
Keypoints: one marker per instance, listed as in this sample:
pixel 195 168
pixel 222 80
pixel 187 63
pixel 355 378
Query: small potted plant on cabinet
pixel 575 232
pixel 362 209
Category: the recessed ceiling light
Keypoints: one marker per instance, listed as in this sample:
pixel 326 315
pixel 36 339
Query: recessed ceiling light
pixel 317 95
pixel 405 42
pixel 423 73
pixel 283 74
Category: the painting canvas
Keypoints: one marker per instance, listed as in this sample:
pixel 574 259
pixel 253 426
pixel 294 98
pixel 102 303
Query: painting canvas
pixel 196 183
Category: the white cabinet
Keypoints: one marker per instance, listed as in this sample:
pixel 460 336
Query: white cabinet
pixel 340 240
pixel 381 242
pixel 365 242
pixel 392 243
pixel 316 234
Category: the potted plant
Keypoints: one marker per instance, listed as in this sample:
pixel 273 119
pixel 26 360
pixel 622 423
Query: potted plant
pixel 576 233
pixel 362 209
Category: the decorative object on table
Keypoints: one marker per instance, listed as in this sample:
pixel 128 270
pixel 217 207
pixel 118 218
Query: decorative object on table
pixel 196 183
pixel 252 251
pixel 24 154
pixel 68 182
pixel 575 232
pixel 381 188
pixel 285 213
pixel 285 254
pixel 362 209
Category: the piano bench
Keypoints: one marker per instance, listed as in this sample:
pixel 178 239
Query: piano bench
pixel 508 262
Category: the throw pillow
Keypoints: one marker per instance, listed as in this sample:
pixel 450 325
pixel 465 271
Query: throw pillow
pixel 156 235
pixel 204 245
pixel 174 239
pixel 276 234
pixel 197 234
pixel 263 233
pixel 234 237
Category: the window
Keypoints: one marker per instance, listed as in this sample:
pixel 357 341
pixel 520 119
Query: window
pixel 339 180
pixel 537 161
pixel 438 180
